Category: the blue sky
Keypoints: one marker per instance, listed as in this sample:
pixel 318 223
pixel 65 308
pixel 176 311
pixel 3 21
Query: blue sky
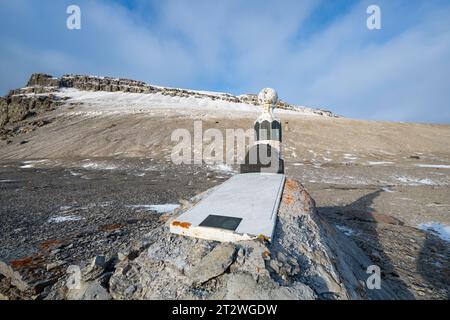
pixel 317 53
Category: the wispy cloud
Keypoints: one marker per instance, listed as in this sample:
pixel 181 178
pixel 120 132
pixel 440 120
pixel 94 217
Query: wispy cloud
pixel 313 52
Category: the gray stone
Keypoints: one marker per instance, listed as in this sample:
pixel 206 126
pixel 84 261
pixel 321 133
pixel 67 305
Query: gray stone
pixel 95 291
pixel 130 290
pixel 88 291
pixel 121 256
pixel 40 286
pixel 98 262
pixel 14 276
pixel 95 268
pixel 213 264
pixel 297 291
pixel 45 80
pixel 274 265
pixel 242 286
pixel 54 265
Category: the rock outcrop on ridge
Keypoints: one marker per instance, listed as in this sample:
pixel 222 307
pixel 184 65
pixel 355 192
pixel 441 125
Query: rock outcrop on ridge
pixel 36 97
pixel 308 259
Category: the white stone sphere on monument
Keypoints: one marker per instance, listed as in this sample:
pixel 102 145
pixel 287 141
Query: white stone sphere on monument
pixel 268 96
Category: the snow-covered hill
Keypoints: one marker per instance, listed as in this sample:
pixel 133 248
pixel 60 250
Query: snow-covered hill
pixel 101 95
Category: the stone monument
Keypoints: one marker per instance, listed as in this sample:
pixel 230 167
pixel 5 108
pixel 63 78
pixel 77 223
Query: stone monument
pixel 266 154
pixel 244 207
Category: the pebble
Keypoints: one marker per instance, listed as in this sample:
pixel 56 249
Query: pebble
pixel 54 265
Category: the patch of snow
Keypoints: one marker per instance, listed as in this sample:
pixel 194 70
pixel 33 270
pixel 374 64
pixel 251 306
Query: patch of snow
pixel 414 181
pixel 427 182
pixel 159 208
pixel 34 161
pixel 385 189
pixel 349 156
pixel 98 166
pixel 437 205
pixel 7 181
pixel 441 166
pixel 221 168
pixel 88 206
pixel 59 219
pixel 347 231
pixel 30 163
pixel 379 162
pixel 105 204
pixel 141 174
pixel 101 102
pixel 438 229
pixel 386 152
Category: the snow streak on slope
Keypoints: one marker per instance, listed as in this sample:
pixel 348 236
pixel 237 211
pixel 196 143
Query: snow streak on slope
pixel 102 102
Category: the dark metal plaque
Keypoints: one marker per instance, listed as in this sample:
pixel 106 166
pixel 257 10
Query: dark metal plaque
pixel 221 222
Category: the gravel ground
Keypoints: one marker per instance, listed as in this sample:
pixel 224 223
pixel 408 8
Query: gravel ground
pixel 384 217
pixel 53 216
pixel 55 213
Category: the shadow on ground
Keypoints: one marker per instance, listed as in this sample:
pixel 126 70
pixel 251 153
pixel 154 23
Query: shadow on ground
pixel 433 264
pixel 359 221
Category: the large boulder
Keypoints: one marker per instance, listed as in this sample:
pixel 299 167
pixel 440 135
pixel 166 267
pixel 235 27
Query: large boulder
pixel 44 80
pixel 308 259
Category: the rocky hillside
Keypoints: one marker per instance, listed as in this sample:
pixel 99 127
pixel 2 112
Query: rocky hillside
pixel 105 117
pixel 19 104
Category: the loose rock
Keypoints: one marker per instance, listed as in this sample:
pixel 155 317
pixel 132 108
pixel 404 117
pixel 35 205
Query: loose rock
pixel 213 264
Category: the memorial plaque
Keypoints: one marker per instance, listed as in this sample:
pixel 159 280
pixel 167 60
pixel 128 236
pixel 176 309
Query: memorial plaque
pixel 242 208
pixel 221 222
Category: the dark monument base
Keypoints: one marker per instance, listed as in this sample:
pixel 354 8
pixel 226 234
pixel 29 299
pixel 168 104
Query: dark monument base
pixel 251 168
pixel 256 165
